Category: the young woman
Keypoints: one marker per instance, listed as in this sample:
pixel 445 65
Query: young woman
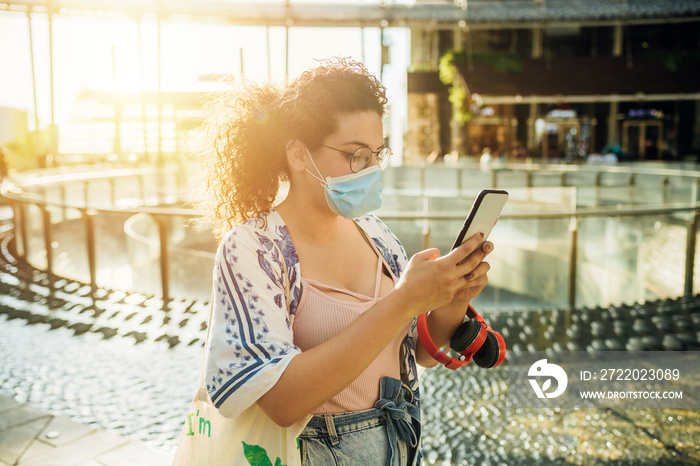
pixel 315 301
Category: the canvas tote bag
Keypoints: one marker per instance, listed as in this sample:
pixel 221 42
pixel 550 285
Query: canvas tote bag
pixel 252 438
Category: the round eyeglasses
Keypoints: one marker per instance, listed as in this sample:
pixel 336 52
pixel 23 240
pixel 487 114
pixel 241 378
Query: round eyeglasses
pixel 362 157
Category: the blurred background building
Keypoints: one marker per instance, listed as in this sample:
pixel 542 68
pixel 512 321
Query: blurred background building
pixel 549 79
pixel 561 80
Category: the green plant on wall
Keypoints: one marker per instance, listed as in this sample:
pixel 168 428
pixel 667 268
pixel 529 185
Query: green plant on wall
pixel 457 92
pixel 502 62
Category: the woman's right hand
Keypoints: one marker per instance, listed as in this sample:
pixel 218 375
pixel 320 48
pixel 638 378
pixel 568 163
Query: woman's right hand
pixel 432 280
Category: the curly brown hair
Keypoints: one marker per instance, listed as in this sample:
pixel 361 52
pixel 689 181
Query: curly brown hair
pixel 250 125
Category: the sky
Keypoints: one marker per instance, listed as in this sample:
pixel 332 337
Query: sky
pixel 103 54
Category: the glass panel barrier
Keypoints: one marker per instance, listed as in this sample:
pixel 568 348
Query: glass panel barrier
pixel 511 179
pixel 73 193
pixel 441 179
pixel 143 253
pixel 543 179
pixel 99 193
pixel 623 260
pixel 620 259
pixel 128 192
pixel 70 258
pixel 580 178
pixel 405 178
pixel 114 250
pixel 476 179
pixel 393 201
pixel 529 265
pixel 192 248
pixel 681 188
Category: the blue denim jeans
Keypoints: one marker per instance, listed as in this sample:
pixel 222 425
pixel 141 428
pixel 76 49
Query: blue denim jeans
pixel 388 434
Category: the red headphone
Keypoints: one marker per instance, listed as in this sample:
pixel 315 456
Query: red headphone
pixel 473 339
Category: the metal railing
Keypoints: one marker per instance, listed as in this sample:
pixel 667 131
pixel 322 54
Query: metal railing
pixel 21 196
pixel 33 193
pixel 576 218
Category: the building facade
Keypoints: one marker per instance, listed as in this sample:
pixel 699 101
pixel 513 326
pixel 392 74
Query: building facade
pixel 550 79
pixel 557 80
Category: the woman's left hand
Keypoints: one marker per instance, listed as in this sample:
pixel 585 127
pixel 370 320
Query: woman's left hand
pixel 444 320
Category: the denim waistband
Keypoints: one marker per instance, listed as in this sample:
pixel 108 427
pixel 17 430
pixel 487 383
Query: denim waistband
pixel 344 422
pixel 395 408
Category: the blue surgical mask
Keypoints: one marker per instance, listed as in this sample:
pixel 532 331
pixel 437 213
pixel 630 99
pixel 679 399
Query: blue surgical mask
pixel 352 195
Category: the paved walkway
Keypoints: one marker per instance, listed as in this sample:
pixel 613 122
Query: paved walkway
pixel 29 436
pixel 466 418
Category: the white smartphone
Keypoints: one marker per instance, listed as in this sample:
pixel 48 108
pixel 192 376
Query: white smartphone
pixel 483 215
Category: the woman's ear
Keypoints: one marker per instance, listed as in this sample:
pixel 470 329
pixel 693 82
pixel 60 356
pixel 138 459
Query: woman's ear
pixel 296 155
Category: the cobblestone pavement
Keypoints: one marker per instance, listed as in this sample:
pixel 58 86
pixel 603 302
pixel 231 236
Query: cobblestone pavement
pixel 139 390
pixel 119 362
pixel 468 423
pixel 143 390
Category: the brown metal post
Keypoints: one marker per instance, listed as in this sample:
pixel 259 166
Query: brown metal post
pixel 112 190
pixel 62 190
pixel 286 52
pixel 598 183
pixel 690 245
pixel 144 118
pixel 48 241
pixel 573 261
pixel 25 234
pixel 666 189
pixel 598 179
pixel 90 244
pixel 86 194
pixel 31 55
pixel 691 242
pixel 426 233
pixel 631 183
pixel 159 94
pixel 164 262
pixel 54 130
pixel 20 228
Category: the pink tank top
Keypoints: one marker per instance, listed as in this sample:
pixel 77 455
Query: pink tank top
pixel 319 317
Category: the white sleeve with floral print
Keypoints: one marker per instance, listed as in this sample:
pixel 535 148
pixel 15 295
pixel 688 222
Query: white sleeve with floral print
pixel 251 341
